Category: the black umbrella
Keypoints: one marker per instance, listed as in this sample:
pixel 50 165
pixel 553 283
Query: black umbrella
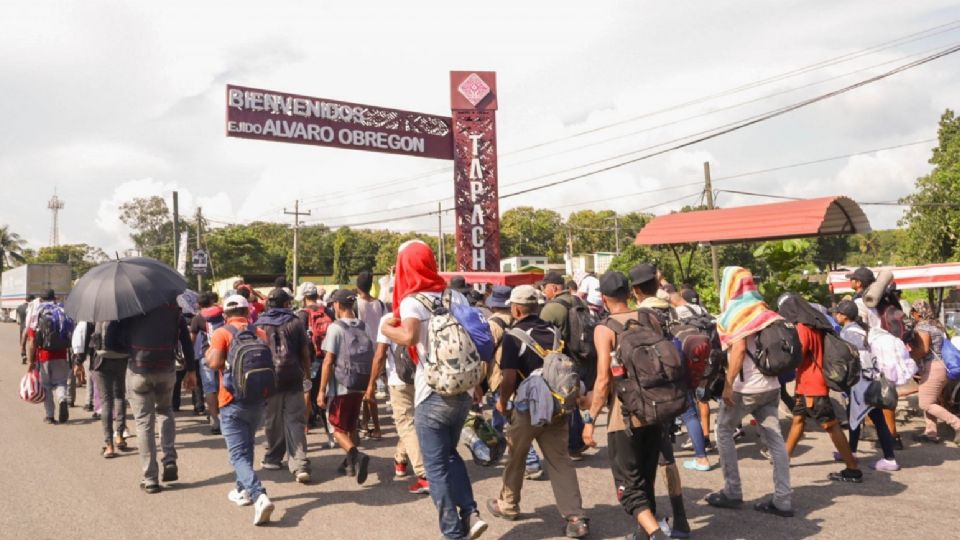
pixel 123 288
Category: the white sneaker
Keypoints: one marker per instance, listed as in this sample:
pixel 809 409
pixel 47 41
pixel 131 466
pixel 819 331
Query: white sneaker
pixel 239 498
pixel 303 477
pixel 262 510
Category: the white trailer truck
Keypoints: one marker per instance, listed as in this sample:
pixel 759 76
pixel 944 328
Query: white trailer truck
pixel 32 279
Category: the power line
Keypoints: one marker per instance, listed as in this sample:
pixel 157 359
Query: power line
pixel 861 203
pixel 909 38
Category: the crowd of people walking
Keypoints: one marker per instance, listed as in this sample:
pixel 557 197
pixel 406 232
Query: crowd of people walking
pixel 515 365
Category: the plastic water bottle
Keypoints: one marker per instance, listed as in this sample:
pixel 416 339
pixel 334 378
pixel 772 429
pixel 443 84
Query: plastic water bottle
pixel 479 449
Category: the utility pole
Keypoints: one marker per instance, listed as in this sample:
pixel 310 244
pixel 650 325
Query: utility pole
pixel 708 191
pixel 443 254
pixel 296 239
pixel 176 230
pixel 616 228
pixel 199 275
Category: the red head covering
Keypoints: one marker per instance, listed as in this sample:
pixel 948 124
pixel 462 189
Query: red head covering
pixel 416 271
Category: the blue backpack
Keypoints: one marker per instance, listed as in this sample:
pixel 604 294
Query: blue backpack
pixel 473 321
pixel 54 328
pixel 249 374
pixel 951 359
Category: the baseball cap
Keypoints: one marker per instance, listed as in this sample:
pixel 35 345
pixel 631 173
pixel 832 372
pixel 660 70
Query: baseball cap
pixel 690 296
pixel 344 296
pixel 848 308
pixel 279 296
pixel 642 273
pixel 458 283
pixel 235 302
pixel 553 278
pixel 524 295
pixel 862 274
pixel 308 289
pixel 614 284
pixel 499 297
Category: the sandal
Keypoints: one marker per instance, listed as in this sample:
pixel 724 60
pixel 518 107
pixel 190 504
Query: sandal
pixel 719 499
pixel 121 444
pixel 374 434
pixel 767 507
pixel 108 453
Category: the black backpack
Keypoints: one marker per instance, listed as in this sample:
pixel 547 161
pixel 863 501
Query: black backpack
pixel 778 349
pixel 841 362
pixel 109 340
pixel 286 355
pixel 249 374
pixel 654 385
pixel 581 322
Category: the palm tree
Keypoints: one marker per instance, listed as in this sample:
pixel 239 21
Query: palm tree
pixel 11 247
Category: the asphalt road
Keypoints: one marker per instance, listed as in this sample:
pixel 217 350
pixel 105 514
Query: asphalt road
pixel 55 485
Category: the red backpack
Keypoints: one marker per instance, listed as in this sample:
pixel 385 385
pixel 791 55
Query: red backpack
pixel 317 324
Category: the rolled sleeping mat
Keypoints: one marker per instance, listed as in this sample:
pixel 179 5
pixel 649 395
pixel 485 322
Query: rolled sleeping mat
pixel 876 289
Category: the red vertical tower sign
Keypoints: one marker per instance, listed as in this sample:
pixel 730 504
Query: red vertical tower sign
pixel 473 99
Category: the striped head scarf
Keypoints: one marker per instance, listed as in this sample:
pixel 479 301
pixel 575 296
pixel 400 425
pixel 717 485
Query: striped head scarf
pixel 743 311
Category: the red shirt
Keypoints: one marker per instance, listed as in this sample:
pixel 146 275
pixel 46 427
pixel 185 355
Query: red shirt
pixel 810 381
pixel 44 355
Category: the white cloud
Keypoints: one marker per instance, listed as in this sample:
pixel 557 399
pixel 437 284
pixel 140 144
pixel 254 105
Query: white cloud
pixel 89 116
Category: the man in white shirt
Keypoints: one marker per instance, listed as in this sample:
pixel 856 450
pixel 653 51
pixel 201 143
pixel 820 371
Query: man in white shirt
pixel 407 452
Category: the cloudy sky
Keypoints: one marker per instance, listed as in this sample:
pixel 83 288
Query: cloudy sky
pixel 109 100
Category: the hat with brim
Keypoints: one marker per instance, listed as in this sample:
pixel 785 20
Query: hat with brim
pixel 524 295
pixel 499 297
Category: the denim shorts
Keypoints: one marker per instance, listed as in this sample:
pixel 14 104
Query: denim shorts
pixel 209 379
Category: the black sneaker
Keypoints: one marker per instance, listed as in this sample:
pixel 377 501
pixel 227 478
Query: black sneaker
pixel 64 413
pixel 170 472
pixel 363 462
pixel 847 475
pixel 215 431
pixel 150 488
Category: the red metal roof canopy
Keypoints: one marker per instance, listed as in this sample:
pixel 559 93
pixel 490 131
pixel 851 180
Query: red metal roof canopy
pixel 793 219
pixel 511 279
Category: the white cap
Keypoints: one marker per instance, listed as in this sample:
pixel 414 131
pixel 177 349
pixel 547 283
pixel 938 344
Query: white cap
pixel 235 302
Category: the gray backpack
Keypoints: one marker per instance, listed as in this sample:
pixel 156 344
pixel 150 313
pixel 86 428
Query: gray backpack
pixel 559 370
pixel 355 357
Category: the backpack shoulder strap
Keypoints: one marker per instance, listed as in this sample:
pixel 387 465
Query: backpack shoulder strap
pixel 426 302
pixel 499 322
pixel 528 340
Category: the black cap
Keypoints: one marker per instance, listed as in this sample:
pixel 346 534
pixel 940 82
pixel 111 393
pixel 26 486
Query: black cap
pixel 458 283
pixel 279 297
pixel 343 296
pixel 642 273
pixel 48 295
pixel 848 308
pixel 553 278
pixel 614 284
pixel 863 275
pixel 690 296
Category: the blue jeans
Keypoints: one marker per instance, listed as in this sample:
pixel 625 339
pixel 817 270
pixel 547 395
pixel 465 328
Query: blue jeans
pixel 691 418
pixel 239 423
pixel 575 423
pixel 439 420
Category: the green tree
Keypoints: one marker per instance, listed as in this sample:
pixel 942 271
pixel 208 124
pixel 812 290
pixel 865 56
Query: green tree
pixel 235 250
pixel 933 217
pixel 790 270
pixel 829 252
pixel 593 231
pixel 527 231
pixel 11 248
pixel 80 257
pixel 152 225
